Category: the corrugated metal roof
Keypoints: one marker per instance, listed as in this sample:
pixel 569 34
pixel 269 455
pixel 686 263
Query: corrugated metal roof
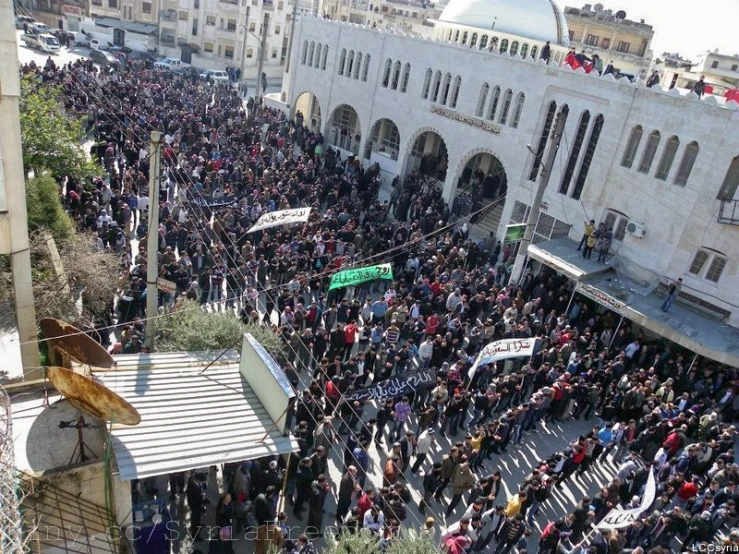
pixel 188 420
pixel 131 26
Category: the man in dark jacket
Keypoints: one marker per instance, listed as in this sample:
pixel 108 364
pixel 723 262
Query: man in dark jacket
pixel 319 489
pixel 196 502
pixel 347 487
pixel 431 482
pixel 264 507
pixel 512 530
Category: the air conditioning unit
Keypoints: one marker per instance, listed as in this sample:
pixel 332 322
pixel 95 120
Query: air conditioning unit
pixel 636 229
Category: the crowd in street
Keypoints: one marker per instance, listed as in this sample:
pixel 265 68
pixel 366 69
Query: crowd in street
pixel 225 163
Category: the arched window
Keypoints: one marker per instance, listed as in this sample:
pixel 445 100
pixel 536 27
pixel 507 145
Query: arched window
pixel 582 129
pixel 483 41
pixel 632 146
pixel 388 72
pixel 449 35
pixel 317 59
pixel 406 77
pixel 524 49
pixel 514 48
pixel 426 84
pixel 534 51
pixel 350 64
pixel 456 36
pixel 325 57
pixel 436 86
pixel 473 40
pixel 357 65
pixel 445 89
pixel 310 53
pixel 455 91
pixel 464 37
pixel 517 110
pixel 365 71
pixel 649 151
pixel 687 163
pixel 305 52
pixel 396 76
pixel 728 189
pixel 504 46
pixel 342 61
pixel 543 141
pixel 668 156
pixel 588 158
pixel 484 91
pixel 494 103
pixel 507 98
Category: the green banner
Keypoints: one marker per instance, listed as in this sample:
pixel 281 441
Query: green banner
pixel 515 232
pixel 351 277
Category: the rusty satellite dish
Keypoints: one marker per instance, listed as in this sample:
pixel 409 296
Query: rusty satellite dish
pixel 91 397
pixel 69 342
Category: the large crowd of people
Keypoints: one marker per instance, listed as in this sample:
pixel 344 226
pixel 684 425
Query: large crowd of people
pixel 225 162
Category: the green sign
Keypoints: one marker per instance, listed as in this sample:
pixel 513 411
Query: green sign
pixel 351 277
pixel 514 233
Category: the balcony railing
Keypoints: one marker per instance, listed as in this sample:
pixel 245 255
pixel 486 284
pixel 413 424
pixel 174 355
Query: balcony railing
pixel 729 212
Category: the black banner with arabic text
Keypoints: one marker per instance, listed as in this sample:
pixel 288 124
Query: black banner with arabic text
pixel 406 383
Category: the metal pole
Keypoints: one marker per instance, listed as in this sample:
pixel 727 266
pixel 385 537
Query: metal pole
pixel 546 172
pixel 572 297
pixel 618 328
pixel 695 359
pixel 152 244
pixel 262 53
pixel 292 33
pixel 243 45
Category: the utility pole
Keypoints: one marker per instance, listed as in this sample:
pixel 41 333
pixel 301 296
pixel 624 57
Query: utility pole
pixel 290 38
pixel 13 212
pixel 520 263
pixel 152 242
pixel 243 45
pixel 262 54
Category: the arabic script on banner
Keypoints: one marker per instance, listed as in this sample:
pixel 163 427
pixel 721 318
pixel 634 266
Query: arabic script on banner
pixel 601 297
pixel 281 217
pixel 619 517
pixel 400 385
pixel 467 120
pixel 351 277
pixel 501 350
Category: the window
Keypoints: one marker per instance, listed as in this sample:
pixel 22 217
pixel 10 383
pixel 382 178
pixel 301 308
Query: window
pixel 482 100
pixel 534 51
pixel 436 86
pixel 708 264
pixel 714 64
pixel 455 91
pixel 250 52
pixel 623 46
pixel 350 64
pixel 649 151
pixel 514 48
pixel 252 27
pixel 406 77
pixel 305 52
pixel 464 37
pixel 317 60
pixel 506 106
pixel 113 4
pixel 582 130
pixel 277 29
pixel 668 156
pixel 388 72
pixel 588 158
pixel 483 41
pixel 311 52
pixel 734 67
pixel 195 25
pixel 445 88
pixel 728 189
pixel 524 49
pixel 473 40
pixel 342 61
pixel 686 164
pixel 632 146
pixel 231 25
pixel 357 66
pixel 605 44
pixel 396 76
pixel 616 221
pixel 426 84
pixel 228 52
pixel 211 21
pixel 208 47
pixel 182 16
pixel 97 2
pixel 591 40
pixel 196 4
pixel 146 7
pixel 494 103
pixel 517 110
pixel 504 46
pixel 543 141
pixel 365 71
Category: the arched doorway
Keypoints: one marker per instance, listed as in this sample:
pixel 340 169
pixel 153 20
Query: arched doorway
pixel 344 130
pixel 428 156
pixel 482 184
pixel 384 139
pixel 307 104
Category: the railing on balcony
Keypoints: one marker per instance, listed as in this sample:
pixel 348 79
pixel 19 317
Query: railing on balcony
pixel 729 212
pixel 167 41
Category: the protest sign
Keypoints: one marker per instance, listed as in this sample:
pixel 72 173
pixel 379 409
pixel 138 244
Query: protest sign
pixel 351 277
pixel 401 385
pixel 502 350
pixel 281 217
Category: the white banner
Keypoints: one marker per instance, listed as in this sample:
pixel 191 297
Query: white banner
pixel 619 517
pixel 502 350
pixel 281 217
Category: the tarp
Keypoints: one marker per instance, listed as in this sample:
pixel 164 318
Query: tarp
pixel 400 385
pixel 351 277
pixel 620 517
pixel 281 217
pixel 502 350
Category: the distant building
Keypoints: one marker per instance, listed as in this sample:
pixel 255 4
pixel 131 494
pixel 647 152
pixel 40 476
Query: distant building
pixel 414 16
pixel 720 71
pixel 613 37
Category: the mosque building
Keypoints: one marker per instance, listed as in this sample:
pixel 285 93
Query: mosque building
pixel 475 103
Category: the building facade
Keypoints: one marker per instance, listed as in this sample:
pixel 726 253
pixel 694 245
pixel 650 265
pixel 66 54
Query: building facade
pixel 719 71
pixel 659 166
pixel 413 16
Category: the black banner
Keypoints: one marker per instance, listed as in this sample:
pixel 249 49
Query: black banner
pixel 401 385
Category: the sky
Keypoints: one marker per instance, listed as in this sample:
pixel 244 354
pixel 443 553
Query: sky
pixel 687 27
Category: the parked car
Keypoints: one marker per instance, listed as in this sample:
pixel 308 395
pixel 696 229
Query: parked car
pixel 122 49
pixel 40 28
pixel 215 75
pixel 81 39
pixel 43 42
pixel 21 21
pixel 173 64
pixel 104 59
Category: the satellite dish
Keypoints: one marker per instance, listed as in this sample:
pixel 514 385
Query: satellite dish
pixel 620 14
pixel 91 397
pixel 70 342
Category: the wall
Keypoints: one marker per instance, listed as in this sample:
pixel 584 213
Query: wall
pixel 677 218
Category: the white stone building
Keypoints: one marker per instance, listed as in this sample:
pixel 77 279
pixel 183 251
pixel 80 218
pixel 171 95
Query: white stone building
pixel 720 71
pixel 660 167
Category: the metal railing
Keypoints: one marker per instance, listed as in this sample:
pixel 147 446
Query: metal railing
pixel 729 212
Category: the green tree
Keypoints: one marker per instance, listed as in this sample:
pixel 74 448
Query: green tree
pixel 45 210
pixel 51 140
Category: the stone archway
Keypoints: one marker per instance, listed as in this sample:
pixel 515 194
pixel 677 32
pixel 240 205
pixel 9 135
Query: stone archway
pixel 307 104
pixel 344 130
pixel 426 152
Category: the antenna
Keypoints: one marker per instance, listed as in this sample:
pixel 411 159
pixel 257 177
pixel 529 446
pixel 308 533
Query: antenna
pixel 67 343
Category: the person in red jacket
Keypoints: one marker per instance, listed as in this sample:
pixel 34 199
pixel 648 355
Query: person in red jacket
pixel 365 503
pixel 350 336
pixel 687 492
pixel 673 440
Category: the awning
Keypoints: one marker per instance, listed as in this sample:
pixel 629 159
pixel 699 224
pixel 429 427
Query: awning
pixel 698 332
pixel 130 26
pixel 562 256
pixel 188 420
pixel 194 47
